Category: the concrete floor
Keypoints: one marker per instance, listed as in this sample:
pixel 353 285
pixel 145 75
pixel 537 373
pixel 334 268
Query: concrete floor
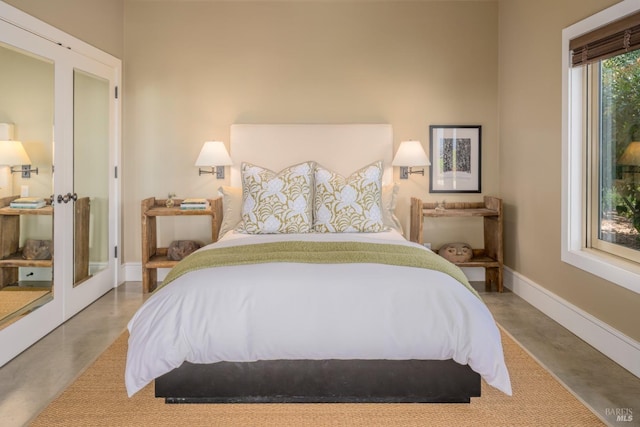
pixel 30 381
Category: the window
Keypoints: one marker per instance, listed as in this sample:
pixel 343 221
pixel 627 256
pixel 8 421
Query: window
pixel 601 145
pixel 614 147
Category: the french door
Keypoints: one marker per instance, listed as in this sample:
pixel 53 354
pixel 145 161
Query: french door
pixel 88 192
pixel 71 134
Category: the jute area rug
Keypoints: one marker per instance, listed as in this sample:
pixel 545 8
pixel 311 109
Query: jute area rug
pixel 98 398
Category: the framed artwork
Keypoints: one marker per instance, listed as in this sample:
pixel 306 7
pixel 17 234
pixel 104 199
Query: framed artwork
pixel 455 159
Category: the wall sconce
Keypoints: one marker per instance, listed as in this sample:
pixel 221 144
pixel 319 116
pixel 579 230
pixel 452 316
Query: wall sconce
pixel 214 155
pixel 409 155
pixel 12 153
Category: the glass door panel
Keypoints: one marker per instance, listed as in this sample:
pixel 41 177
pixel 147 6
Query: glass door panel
pixel 89 198
pixel 26 235
pixel 91 175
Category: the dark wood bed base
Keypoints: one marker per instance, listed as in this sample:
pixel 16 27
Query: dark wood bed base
pixel 324 381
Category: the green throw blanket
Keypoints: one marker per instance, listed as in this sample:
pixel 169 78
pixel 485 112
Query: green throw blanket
pixel 317 253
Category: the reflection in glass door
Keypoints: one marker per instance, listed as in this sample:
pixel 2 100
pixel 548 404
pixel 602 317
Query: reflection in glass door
pixel 26 240
pixel 91 175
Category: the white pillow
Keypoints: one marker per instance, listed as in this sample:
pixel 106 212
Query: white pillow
pixel 276 202
pixel 231 208
pixel 389 198
pixel 353 204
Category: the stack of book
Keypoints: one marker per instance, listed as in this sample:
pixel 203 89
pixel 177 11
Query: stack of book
pixel 28 203
pixel 194 204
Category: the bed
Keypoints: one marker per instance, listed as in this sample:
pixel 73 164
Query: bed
pixel 297 302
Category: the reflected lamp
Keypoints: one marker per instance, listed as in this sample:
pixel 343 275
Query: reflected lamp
pixel 214 155
pixel 410 154
pixel 630 161
pixel 631 155
pixel 13 154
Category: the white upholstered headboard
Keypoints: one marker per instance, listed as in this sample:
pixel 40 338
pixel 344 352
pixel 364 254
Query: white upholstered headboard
pixel 342 148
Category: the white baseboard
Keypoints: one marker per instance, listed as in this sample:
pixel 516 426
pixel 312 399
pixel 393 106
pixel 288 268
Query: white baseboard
pixel 609 341
pixel 620 348
pixel 133 272
pixel 474 274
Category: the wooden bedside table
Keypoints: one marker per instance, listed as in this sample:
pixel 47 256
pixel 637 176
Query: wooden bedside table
pixel 491 256
pixel 154 257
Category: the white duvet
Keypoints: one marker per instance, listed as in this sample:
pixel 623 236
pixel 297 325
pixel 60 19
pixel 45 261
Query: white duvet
pixel 312 311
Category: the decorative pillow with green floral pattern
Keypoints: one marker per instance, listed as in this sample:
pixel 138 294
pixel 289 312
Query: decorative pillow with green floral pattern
pixel 353 204
pixel 277 202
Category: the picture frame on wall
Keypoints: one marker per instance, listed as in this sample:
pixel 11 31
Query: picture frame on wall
pixel 455 153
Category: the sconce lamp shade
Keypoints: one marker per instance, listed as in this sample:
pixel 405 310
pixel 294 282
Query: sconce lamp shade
pixel 213 153
pixel 12 153
pixel 631 155
pixel 411 153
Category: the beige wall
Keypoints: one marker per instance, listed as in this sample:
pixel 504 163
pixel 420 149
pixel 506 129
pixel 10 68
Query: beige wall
pixel 530 155
pixel 194 68
pixel 96 22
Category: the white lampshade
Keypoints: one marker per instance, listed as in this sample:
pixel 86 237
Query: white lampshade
pixel 213 153
pixel 411 153
pixel 12 153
